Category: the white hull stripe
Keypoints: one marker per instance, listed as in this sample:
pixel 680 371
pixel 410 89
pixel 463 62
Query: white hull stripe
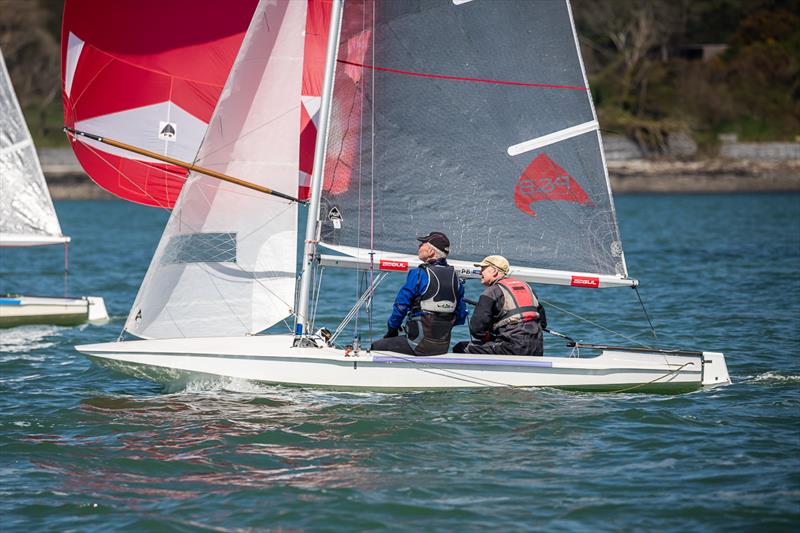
pixel 458 361
pixel 552 138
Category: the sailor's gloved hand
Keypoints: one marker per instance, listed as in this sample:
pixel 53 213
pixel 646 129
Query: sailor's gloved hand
pixel 391 332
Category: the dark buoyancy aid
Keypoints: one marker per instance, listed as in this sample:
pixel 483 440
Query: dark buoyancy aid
pixel 520 303
pixel 433 312
pixel 441 294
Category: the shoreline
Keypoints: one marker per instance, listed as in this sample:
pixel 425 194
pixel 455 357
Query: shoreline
pixel 713 175
pixel 67 181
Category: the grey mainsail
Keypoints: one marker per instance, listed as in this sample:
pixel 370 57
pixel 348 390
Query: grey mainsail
pixel 472 118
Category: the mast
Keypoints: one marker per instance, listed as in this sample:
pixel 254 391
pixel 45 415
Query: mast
pixel 312 221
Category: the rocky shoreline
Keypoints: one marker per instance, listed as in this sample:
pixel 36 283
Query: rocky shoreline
pixel 67 181
pixel 703 176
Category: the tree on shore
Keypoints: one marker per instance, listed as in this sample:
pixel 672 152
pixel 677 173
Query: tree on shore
pixel 645 82
pixel 32 56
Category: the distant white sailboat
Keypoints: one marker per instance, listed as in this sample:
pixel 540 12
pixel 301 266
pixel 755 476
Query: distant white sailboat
pixel 27 218
pixel 447 115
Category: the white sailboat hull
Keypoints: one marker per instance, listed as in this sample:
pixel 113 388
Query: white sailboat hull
pixel 22 310
pixel 272 359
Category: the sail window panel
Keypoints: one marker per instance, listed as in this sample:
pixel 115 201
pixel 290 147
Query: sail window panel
pixel 200 248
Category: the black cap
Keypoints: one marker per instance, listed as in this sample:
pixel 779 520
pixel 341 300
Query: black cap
pixel 437 239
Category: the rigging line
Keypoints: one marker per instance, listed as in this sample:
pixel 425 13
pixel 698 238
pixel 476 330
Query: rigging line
pixel 74 102
pixel 243 134
pixel 99 153
pixel 240 267
pixel 346 320
pixel 357 305
pixel 462 78
pixel 594 323
pixel 645 312
pixel 266 222
pixel 360 94
pixel 342 146
pixel 316 297
pixel 640 385
pixel 444 372
pixel 202 192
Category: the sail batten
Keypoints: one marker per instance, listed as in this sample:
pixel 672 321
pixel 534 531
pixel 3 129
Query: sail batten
pixel 545 140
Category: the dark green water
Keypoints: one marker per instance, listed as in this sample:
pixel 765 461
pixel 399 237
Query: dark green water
pixel 84 449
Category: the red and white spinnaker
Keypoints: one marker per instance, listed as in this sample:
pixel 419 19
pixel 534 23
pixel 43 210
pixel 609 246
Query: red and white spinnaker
pixel 148 74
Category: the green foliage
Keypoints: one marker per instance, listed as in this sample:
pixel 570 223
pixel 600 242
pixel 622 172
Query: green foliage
pixel 645 84
pixel 49 121
pixel 31 52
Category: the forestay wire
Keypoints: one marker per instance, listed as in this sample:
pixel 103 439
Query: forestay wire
pixel 592 322
pixel 365 296
pixel 647 316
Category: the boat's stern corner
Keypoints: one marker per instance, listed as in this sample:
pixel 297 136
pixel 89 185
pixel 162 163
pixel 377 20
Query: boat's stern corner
pixel 715 369
pixel 97 310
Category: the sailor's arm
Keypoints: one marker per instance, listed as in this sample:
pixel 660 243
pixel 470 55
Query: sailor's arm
pixel 480 323
pixel 402 302
pixel 461 306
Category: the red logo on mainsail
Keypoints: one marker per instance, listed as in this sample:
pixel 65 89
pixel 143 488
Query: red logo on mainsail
pixel 542 180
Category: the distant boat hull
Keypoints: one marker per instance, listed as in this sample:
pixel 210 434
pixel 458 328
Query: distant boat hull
pixel 24 310
pixel 271 359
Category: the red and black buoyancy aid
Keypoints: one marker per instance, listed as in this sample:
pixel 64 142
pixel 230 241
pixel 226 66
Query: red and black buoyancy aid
pixel 520 303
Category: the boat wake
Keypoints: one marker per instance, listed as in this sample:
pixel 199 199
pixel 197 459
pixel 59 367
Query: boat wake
pixel 219 384
pixel 774 377
pixel 24 339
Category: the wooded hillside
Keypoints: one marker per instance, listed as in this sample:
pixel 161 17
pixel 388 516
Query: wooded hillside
pixel 703 67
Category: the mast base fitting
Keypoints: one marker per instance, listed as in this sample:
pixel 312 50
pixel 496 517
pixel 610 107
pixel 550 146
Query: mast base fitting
pixel 305 342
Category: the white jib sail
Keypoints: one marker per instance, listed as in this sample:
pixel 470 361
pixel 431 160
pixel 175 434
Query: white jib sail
pixel 27 216
pixel 226 263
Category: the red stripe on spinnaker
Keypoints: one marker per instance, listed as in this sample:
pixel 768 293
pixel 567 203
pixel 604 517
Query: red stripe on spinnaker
pixel 138 55
pixel 460 78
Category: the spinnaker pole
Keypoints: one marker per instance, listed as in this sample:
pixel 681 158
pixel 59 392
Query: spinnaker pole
pixel 181 164
pixel 312 221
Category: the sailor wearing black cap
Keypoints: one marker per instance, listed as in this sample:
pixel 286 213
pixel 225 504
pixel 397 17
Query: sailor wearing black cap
pixel 431 302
